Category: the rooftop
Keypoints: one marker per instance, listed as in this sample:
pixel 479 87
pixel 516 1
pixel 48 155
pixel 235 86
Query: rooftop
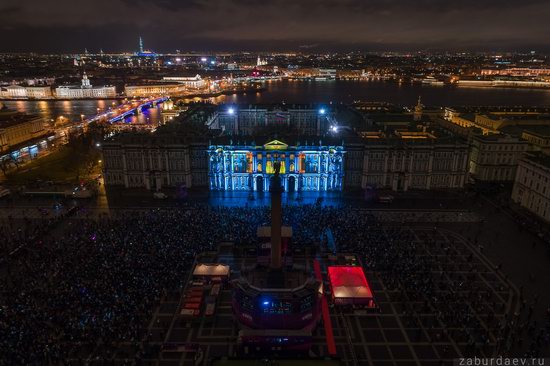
pixel 499 137
pixel 77 86
pixel 468 116
pixel 253 141
pixel 211 269
pixel 403 118
pixel 410 134
pixel 13 118
pixel 501 109
pixel 276 107
pixel 349 282
pixel 538 130
pixel 190 127
pixel 155 83
pixel 517 117
pixel 539 158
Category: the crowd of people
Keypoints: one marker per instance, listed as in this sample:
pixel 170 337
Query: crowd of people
pixel 97 281
pixel 446 285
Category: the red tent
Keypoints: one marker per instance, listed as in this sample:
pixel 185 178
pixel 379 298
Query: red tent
pixel 349 285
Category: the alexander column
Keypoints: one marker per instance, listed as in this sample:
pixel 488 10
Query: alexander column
pixel 276 217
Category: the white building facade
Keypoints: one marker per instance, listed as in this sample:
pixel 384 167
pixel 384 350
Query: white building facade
pixel 151 167
pixel 384 166
pixel 418 166
pixel 532 185
pixel 16 128
pixel 149 90
pixel 495 157
pixel 26 92
pixel 85 91
pixel 190 82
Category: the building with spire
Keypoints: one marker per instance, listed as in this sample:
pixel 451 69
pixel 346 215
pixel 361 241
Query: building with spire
pixel 85 81
pixel 260 62
pixel 418 109
pixel 143 52
pixel 85 90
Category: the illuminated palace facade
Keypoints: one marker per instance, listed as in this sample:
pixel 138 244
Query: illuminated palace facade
pixel 228 148
pixel 250 167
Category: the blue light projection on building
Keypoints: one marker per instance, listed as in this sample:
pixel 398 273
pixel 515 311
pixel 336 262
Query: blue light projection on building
pixel 249 168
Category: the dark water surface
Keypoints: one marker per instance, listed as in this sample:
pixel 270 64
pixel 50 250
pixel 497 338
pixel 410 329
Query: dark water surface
pixel 320 92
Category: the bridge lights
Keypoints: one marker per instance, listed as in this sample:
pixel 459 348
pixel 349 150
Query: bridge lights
pixel 322 111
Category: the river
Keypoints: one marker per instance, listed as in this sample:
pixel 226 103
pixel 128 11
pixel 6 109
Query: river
pixel 319 92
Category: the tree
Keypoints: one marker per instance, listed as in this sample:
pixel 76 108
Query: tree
pixel 4 166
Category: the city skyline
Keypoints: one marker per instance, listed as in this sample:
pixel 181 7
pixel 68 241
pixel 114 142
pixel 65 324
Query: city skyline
pixel 291 182
pixel 281 25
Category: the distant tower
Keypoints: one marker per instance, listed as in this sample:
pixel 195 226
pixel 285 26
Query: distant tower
pixel 418 110
pixel 85 81
pixel 101 51
pixel 140 45
pixel 85 51
pixel 259 61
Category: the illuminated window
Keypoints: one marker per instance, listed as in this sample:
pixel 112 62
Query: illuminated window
pixel 259 167
pixel 283 168
pixel 292 167
pixel 249 163
pixel 269 167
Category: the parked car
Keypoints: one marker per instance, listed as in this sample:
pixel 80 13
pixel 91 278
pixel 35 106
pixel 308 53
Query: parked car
pixel 386 199
pixel 79 192
pixel 159 195
pixel 4 192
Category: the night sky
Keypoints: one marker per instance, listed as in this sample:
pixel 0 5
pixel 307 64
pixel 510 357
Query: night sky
pixel 308 25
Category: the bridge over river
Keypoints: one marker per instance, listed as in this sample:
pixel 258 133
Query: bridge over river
pixel 126 109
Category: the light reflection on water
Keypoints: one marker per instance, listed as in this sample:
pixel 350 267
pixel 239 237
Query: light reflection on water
pixel 345 91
